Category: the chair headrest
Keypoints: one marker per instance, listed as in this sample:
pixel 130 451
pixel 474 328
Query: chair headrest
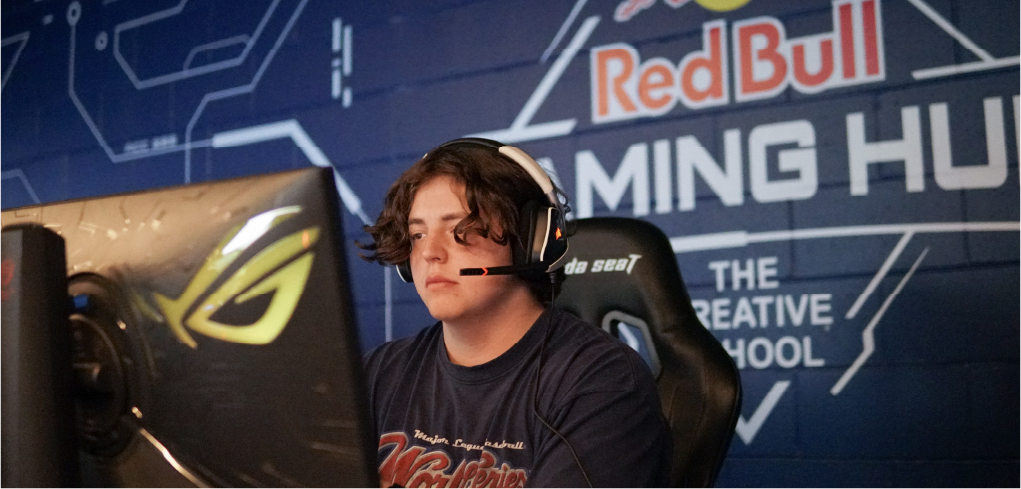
pixel 621 264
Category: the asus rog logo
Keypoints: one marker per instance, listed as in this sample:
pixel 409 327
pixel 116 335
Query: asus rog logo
pixel 281 268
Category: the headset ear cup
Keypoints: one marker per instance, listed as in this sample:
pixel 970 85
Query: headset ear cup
pixel 528 229
pixel 404 271
pixel 556 240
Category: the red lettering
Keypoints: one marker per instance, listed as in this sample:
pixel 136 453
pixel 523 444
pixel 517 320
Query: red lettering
pixel 765 63
pixel 487 459
pixel 412 466
pixel 427 465
pixel 458 477
pixel 847 40
pixel 471 471
pixel 799 64
pixel 868 15
pixel 402 470
pixel 492 478
pixel 388 469
pixel 626 60
pixel 427 478
pixel 709 62
pixel 657 76
pixel 770 30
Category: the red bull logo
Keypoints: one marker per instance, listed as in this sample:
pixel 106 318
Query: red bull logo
pixel 755 53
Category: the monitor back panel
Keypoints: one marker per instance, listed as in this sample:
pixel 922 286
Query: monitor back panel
pixel 221 320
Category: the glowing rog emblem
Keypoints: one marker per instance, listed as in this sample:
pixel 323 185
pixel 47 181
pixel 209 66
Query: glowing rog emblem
pixel 274 269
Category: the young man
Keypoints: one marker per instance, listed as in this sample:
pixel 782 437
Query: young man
pixel 504 390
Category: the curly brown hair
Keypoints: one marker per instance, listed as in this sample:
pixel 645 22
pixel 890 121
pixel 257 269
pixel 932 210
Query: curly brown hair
pixel 496 190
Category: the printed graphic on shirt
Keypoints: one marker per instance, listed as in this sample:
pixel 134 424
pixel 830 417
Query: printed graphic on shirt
pixel 410 465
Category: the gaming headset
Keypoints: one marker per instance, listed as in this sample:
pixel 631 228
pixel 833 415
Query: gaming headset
pixel 541 226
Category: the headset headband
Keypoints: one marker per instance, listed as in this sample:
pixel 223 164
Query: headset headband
pixel 521 158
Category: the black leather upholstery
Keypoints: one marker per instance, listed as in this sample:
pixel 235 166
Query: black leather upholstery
pixel 698 382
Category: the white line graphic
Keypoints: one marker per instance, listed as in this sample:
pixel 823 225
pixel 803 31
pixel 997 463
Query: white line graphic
pixel 520 130
pixel 222 43
pixel 739 239
pixel 964 68
pixel 867 337
pixel 1017 126
pixel 21 37
pixel 73 15
pixel 950 29
pixel 291 129
pixel 347 50
pixel 563 30
pixel 341 64
pixel 235 91
pixel 20 175
pixel 335 81
pixel 988 61
pixel 185 72
pixel 748 429
pixel 883 270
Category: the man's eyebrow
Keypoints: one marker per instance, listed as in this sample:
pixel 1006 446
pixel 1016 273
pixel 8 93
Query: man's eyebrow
pixel 453 216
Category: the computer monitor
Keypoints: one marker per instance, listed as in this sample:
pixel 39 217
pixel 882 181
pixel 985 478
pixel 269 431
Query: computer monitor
pixel 214 334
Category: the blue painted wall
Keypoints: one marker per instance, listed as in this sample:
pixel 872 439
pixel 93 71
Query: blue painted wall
pixel 840 179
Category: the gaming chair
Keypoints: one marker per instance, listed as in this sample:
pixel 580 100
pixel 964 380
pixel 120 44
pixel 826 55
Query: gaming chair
pixel 624 271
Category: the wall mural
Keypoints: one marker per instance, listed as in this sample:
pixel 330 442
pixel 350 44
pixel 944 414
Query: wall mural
pixel 839 179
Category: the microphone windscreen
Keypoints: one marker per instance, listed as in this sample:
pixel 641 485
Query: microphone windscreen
pixel 504 270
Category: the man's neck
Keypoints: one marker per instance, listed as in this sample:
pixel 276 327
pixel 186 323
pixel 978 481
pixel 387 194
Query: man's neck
pixel 477 340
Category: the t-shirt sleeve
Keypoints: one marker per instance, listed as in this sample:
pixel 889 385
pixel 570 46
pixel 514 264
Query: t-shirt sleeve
pixel 616 429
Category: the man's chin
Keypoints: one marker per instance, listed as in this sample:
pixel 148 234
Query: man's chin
pixel 443 312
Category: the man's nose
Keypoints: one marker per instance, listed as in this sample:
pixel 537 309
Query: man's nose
pixel 433 248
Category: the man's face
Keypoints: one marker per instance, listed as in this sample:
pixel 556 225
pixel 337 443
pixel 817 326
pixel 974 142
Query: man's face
pixel 436 258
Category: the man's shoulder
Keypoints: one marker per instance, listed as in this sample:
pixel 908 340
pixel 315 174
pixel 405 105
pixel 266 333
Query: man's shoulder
pixel 400 351
pixel 594 357
pixel 573 333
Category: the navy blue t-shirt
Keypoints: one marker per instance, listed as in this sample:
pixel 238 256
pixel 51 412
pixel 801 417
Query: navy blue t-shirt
pixel 446 425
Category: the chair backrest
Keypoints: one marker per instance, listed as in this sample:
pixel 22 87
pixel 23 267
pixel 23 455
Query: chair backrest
pixel 625 271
